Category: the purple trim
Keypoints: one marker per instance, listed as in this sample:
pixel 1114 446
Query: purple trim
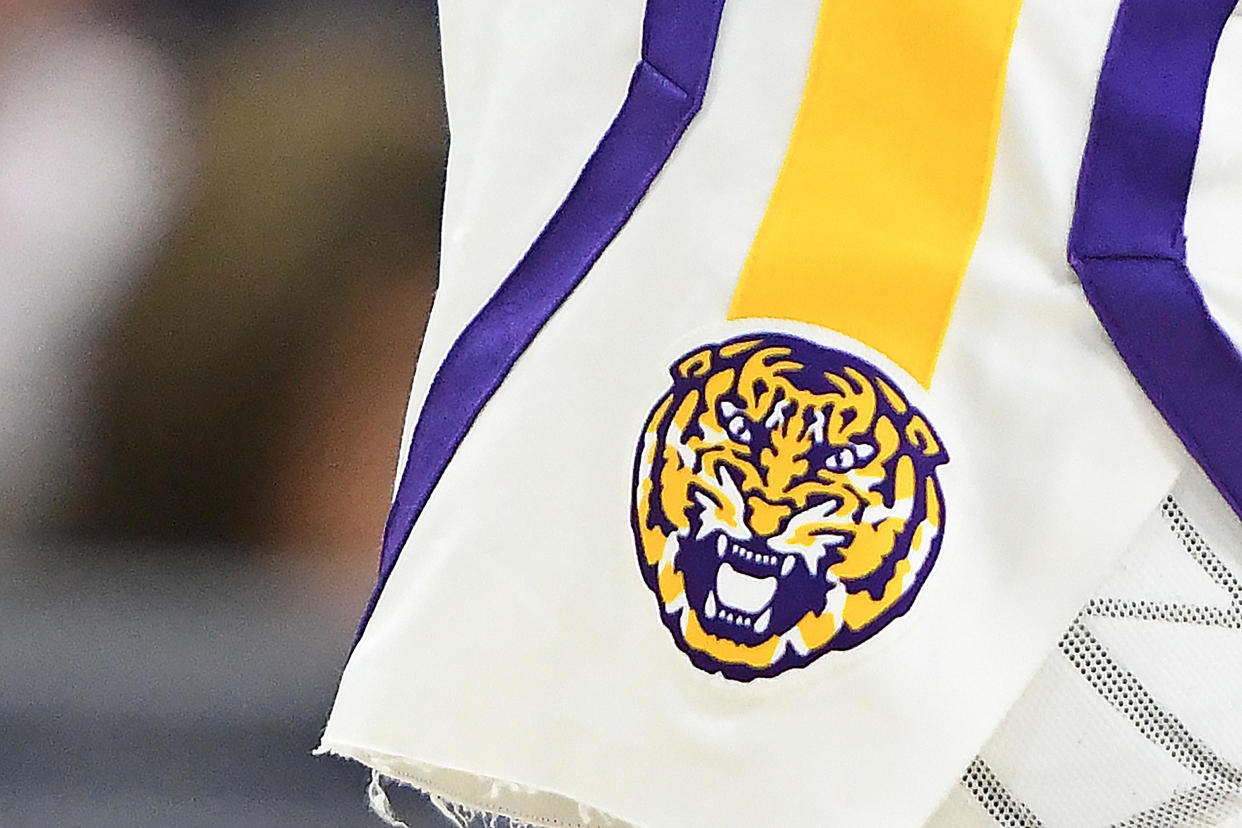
pixel 1127 242
pixel 666 90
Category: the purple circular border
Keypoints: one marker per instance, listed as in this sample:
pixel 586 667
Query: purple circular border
pixel 845 639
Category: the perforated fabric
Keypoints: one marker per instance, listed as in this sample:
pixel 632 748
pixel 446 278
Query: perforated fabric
pixel 1135 720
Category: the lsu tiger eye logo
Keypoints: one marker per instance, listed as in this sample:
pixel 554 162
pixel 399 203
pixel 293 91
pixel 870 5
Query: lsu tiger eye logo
pixel 786 503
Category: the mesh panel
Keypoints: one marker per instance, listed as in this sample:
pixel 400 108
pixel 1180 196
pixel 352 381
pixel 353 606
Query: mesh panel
pixel 1208 804
pixel 1092 648
pixel 998 802
pixel 1123 691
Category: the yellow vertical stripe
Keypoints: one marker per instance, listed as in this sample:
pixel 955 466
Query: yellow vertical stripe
pixel 878 205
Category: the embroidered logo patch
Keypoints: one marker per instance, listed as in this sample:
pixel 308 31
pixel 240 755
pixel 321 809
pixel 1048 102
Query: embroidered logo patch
pixel 786 503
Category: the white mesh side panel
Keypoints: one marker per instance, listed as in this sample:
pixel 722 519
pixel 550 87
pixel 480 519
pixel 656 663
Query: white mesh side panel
pixel 1136 719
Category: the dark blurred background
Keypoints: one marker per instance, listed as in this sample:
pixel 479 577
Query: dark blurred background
pixel 218 239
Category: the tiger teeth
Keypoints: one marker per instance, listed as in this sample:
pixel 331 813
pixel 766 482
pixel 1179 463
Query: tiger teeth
pixel 787 566
pixel 761 625
pixel 724 546
pixel 713 610
pixel 736 618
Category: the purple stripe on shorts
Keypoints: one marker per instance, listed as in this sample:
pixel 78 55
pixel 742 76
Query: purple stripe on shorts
pixel 666 90
pixel 1127 242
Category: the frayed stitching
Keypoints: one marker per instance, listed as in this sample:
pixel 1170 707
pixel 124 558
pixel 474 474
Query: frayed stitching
pixel 380 804
pixel 460 815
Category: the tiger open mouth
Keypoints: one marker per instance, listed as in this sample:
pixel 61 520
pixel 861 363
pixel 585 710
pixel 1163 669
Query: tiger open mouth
pixel 744 599
pixel 747 590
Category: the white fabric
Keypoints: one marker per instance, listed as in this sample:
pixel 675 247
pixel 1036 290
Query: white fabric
pixel 1043 756
pixel 516 640
pixel 1147 731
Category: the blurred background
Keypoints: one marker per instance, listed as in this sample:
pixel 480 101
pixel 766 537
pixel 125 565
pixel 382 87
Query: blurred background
pixel 218 242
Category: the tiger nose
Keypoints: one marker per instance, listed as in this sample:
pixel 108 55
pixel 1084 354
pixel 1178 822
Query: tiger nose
pixel 765 519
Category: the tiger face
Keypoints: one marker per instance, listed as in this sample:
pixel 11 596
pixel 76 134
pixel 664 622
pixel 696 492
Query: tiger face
pixel 786 503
